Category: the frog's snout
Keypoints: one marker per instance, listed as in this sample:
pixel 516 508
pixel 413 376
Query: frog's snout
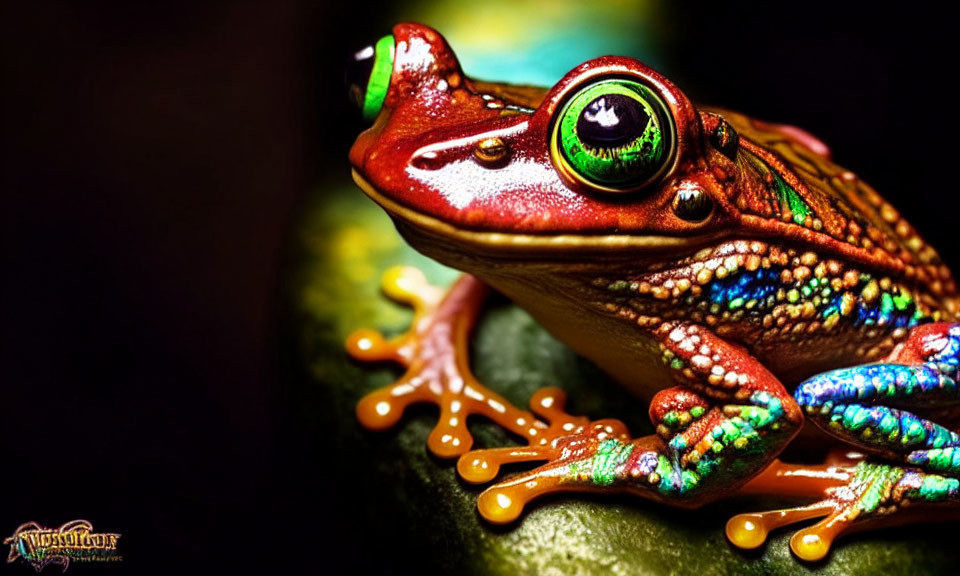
pixel 368 75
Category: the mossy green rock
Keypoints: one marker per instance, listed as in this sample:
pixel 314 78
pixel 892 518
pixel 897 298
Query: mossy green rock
pixel 398 509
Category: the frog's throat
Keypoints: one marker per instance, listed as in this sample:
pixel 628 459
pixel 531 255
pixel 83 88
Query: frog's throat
pixel 540 244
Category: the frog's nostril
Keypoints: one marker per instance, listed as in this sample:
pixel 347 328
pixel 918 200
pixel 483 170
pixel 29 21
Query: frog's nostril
pixel 491 152
pixel 368 76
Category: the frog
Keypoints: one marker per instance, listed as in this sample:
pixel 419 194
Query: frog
pixel 722 268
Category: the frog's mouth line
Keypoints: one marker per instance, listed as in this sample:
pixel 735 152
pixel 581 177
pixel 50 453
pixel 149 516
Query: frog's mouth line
pixel 521 243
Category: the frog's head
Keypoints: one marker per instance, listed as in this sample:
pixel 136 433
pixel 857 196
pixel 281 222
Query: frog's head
pixel 550 195
pixel 613 158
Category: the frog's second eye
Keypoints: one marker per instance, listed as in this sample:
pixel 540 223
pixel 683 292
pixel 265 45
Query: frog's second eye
pixel 615 135
pixel 368 76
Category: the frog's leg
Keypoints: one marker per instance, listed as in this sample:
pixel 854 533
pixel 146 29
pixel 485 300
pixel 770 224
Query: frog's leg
pixel 435 354
pixel 857 405
pixel 724 424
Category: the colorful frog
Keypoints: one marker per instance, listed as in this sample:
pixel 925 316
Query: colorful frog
pixel 710 262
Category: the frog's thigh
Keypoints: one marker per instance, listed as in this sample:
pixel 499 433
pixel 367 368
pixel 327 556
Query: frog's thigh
pixel 720 370
pixel 876 406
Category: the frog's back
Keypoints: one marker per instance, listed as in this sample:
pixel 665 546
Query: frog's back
pixel 833 201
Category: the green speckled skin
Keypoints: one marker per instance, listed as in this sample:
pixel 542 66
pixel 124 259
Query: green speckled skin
pixel 410 510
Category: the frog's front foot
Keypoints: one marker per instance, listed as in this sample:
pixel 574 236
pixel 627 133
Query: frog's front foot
pixel 435 354
pixel 854 495
pixel 723 426
pixel 581 455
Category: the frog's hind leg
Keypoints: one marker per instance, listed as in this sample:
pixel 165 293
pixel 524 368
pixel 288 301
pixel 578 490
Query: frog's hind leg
pixel 875 407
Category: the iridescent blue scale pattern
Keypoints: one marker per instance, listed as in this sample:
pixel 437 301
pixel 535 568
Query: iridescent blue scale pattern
pixel 847 402
pixel 865 303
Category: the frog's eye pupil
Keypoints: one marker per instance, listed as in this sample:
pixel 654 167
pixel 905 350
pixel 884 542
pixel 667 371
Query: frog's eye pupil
pixel 368 76
pixel 614 135
pixel 612 121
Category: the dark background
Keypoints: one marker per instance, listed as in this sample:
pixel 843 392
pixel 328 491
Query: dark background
pixel 152 159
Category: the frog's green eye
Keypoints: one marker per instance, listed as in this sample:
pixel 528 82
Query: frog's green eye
pixel 368 76
pixel 615 135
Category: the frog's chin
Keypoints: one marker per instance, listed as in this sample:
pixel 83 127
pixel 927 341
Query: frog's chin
pixel 417 226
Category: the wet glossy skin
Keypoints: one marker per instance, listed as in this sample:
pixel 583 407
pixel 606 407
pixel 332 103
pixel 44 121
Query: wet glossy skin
pixel 420 155
pixel 787 265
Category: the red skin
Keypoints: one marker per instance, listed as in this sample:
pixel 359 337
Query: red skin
pixel 431 104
